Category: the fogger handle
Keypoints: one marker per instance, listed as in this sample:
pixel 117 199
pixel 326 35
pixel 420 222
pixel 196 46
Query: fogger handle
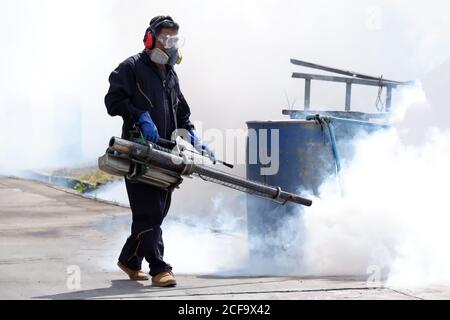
pixel 168 144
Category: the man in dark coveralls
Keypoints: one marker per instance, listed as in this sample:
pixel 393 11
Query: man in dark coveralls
pixel 144 91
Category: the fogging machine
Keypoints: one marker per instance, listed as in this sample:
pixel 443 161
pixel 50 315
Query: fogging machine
pixel 163 164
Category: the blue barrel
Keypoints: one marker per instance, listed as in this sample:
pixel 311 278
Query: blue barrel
pixel 305 160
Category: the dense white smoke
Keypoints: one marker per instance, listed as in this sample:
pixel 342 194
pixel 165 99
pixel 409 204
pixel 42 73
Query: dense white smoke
pixel 394 214
pixel 393 217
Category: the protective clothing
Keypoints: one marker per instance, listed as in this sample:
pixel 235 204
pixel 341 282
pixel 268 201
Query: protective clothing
pixel 167 56
pixel 137 86
pixel 148 127
pixel 149 206
pixel 169 41
pixel 135 275
pixel 164 279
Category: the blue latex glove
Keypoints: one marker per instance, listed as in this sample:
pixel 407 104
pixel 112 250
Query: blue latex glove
pixel 201 147
pixel 148 127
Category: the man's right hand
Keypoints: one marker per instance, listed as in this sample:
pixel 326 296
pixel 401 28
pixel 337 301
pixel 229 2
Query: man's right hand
pixel 148 127
pixel 201 147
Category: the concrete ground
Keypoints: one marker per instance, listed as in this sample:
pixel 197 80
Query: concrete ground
pixel 51 240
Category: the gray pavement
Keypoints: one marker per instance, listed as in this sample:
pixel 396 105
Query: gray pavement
pixel 48 234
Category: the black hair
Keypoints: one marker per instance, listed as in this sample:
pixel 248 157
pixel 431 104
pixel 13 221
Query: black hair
pixel 160 22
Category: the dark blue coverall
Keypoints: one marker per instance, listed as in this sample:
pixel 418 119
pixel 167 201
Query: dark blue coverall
pixel 136 86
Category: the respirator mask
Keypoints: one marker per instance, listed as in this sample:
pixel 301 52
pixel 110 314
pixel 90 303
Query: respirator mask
pixel 171 54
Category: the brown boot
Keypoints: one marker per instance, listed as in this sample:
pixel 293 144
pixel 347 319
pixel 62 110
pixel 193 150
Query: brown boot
pixel 164 279
pixel 135 275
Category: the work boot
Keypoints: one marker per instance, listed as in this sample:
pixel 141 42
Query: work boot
pixel 135 275
pixel 164 279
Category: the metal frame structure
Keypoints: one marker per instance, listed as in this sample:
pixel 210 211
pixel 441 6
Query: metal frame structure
pixel 352 78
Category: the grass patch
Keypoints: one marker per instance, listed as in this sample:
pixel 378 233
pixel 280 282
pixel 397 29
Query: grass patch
pixel 89 177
